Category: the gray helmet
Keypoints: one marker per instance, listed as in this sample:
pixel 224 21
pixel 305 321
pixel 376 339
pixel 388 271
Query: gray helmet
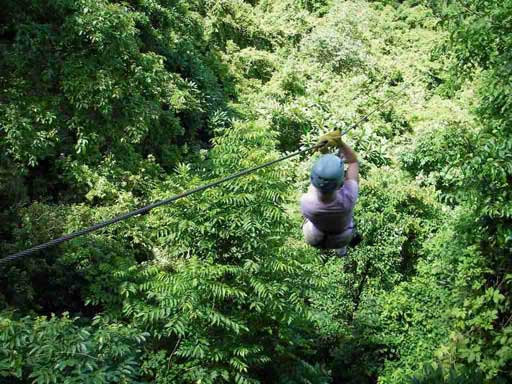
pixel 327 173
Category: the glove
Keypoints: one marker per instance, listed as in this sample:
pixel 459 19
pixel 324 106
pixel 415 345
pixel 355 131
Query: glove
pixel 333 139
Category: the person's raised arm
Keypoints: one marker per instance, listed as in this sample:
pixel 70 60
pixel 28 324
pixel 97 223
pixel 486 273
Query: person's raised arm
pixel 351 159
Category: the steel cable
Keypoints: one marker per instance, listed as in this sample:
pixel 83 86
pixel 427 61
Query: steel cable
pixel 147 208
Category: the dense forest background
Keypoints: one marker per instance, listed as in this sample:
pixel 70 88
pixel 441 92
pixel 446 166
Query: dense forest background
pixel 108 105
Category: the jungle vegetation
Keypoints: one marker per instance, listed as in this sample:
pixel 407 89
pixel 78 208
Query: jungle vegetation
pixel 109 105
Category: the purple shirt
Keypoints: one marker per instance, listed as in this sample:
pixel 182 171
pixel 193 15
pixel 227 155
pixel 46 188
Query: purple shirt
pixel 333 217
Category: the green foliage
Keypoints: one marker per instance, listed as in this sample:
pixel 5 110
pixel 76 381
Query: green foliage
pixel 338 42
pixel 85 81
pixel 367 302
pixel 484 329
pixel 106 106
pixel 410 320
pixel 436 376
pixel 61 350
pixel 438 156
pixel 232 297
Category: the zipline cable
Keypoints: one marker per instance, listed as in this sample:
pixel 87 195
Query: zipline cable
pixel 378 108
pixel 147 208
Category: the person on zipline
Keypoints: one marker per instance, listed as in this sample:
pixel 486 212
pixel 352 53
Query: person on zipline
pixel 329 203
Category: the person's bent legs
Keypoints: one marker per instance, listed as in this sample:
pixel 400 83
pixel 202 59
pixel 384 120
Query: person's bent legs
pixel 312 235
pixel 316 238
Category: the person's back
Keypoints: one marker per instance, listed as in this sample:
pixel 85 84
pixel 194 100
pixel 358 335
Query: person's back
pixel 331 216
pixel 328 206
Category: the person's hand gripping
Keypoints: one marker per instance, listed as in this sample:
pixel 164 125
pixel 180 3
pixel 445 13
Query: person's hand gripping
pixel 332 139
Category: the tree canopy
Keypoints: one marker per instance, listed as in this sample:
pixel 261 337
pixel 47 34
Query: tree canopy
pixel 106 106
